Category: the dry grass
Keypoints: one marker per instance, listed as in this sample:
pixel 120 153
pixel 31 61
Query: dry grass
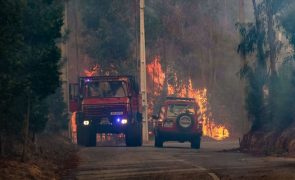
pixel 270 143
pixel 51 159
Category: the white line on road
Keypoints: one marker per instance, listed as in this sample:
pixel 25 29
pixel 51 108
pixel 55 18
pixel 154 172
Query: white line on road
pixel 214 176
pixel 137 174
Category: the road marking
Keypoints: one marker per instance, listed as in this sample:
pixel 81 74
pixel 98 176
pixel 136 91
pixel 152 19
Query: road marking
pixel 125 168
pixel 114 174
pixel 214 176
pixel 112 170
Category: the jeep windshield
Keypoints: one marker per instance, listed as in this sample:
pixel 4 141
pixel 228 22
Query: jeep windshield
pixel 105 89
pixel 175 109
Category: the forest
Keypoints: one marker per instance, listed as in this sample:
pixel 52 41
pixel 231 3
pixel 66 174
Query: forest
pixel 30 62
pixel 241 53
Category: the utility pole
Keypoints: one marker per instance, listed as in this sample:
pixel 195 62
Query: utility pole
pixel 76 11
pixel 66 56
pixel 241 11
pixel 143 74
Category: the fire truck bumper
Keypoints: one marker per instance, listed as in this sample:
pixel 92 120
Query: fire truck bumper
pixel 111 129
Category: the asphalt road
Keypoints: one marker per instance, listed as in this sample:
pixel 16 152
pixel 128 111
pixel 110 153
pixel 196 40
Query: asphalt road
pixel 178 161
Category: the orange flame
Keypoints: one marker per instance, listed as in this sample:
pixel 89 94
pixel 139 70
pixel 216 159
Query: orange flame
pixel 157 76
pixel 73 128
pixel 93 71
pixel 155 72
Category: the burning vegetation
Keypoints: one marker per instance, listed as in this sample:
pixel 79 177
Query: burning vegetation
pixel 157 76
pixel 92 71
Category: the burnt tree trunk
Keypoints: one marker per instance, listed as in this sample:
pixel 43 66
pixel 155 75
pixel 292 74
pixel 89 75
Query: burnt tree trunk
pixel 2 142
pixel 26 129
pixel 241 11
pixel 271 35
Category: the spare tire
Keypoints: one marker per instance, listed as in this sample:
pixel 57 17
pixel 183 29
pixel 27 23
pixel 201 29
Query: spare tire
pixel 185 121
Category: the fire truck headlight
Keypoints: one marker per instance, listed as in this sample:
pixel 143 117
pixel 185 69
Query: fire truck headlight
pixel 86 122
pixel 124 121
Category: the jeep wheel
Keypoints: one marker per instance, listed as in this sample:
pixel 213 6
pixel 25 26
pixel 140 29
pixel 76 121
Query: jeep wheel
pixel 133 135
pixel 196 142
pixel 185 121
pixel 158 140
pixel 86 136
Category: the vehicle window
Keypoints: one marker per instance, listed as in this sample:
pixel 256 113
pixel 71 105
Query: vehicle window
pixel 176 109
pixel 106 89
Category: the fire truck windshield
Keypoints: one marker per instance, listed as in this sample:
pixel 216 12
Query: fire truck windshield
pixel 106 89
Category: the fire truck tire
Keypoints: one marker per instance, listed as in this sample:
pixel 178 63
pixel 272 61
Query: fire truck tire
pixel 81 136
pixel 133 135
pixel 91 138
pixel 158 141
pixel 86 136
pixel 196 142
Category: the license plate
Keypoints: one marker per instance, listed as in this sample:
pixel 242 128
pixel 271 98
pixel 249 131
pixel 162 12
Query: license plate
pixel 168 124
pixel 116 113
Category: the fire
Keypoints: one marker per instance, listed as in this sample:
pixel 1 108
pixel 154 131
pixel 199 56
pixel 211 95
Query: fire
pixel 93 71
pixel 73 128
pixel 157 75
pixel 210 128
pixel 155 81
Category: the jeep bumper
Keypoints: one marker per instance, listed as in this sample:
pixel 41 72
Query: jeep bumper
pixel 177 136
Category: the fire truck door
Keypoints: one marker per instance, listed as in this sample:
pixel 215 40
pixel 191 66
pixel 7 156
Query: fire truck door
pixel 73 96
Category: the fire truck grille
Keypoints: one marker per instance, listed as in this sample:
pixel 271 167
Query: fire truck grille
pixel 103 111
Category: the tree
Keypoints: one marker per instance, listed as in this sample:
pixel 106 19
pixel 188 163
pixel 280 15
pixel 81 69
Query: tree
pixel 267 106
pixel 30 62
pixel 10 39
pixel 57 116
pixel 253 39
pixel 42 23
pixel 108 31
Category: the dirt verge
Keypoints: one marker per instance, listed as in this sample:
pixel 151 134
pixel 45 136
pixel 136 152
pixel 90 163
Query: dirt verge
pixel 270 143
pixel 52 158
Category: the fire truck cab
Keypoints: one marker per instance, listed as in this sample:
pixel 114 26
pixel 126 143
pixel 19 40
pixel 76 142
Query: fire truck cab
pixel 106 104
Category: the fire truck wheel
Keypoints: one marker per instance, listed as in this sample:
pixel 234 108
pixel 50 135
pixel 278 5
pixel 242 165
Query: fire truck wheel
pixel 196 142
pixel 158 140
pixel 86 136
pixel 133 135
pixel 81 136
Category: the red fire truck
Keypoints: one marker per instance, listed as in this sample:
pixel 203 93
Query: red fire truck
pixel 106 104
